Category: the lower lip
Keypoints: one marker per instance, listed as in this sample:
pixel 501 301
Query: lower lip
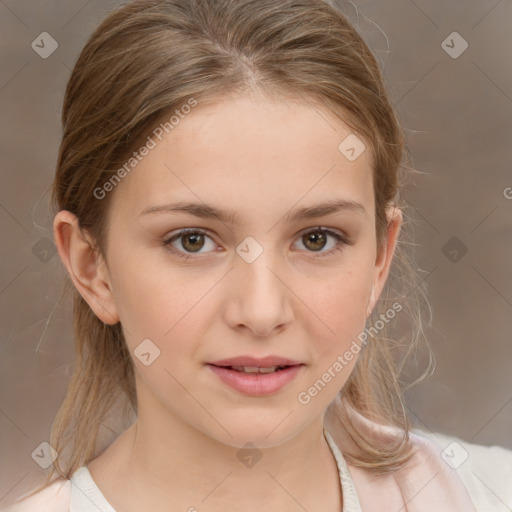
pixel 256 384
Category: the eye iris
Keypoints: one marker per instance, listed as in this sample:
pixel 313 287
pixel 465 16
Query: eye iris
pixel 194 237
pixel 315 237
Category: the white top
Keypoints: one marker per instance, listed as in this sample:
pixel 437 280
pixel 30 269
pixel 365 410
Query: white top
pixel 486 474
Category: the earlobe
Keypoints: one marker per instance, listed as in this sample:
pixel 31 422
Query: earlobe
pixel 85 266
pixel 371 303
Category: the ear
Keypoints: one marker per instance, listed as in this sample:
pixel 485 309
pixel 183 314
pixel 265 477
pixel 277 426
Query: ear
pixel 385 256
pixel 86 267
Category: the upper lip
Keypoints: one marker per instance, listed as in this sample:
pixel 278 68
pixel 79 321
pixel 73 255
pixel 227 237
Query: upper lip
pixel 264 362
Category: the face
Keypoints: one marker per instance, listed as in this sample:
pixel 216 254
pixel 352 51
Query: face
pixel 266 276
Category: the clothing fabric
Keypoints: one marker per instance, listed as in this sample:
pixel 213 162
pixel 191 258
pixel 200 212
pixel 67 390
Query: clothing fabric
pixel 481 482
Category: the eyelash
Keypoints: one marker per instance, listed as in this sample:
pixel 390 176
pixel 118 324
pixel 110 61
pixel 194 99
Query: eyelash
pixel 341 241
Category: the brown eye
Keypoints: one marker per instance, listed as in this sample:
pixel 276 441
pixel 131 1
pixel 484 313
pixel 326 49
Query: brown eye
pixel 192 242
pixel 317 239
pixel 185 243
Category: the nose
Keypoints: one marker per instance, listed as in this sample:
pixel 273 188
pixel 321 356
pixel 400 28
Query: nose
pixel 261 298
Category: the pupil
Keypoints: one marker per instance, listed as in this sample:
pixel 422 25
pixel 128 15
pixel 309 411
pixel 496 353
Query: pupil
pixel 315 237
pixel 195 238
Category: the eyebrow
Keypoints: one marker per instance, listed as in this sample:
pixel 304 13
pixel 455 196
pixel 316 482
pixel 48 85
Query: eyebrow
pixel 204 210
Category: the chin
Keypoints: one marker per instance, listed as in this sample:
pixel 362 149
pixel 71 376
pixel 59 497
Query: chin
pixel 258 431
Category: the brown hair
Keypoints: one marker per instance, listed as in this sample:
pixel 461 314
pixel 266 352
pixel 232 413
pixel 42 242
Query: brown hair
pixel 147 59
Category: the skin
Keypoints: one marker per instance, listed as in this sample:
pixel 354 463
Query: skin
pixel 262 158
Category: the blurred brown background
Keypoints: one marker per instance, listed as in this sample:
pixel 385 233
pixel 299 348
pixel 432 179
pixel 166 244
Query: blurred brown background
pixel 456 107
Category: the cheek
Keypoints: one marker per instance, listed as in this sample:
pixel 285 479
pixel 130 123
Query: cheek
pixel 149 300
pixel 333 335
pixel 336 311
pixel 169 308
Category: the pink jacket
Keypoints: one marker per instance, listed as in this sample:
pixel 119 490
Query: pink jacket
pixel 446 474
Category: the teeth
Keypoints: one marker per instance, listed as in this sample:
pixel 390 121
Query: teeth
pixel 255 369
pixel 269 370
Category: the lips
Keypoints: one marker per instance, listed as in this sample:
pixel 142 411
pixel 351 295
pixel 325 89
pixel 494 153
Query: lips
pixel 256 376
pixel 256 383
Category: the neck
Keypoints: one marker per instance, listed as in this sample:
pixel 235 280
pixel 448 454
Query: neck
pixel 155 462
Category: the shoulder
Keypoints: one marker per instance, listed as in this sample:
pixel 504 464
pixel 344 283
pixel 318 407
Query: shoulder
pixel 486 471
pixel 54 498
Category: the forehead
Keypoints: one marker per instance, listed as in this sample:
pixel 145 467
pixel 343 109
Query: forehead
pixel 249 151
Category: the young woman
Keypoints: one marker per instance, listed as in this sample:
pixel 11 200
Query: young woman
pixel 228 207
